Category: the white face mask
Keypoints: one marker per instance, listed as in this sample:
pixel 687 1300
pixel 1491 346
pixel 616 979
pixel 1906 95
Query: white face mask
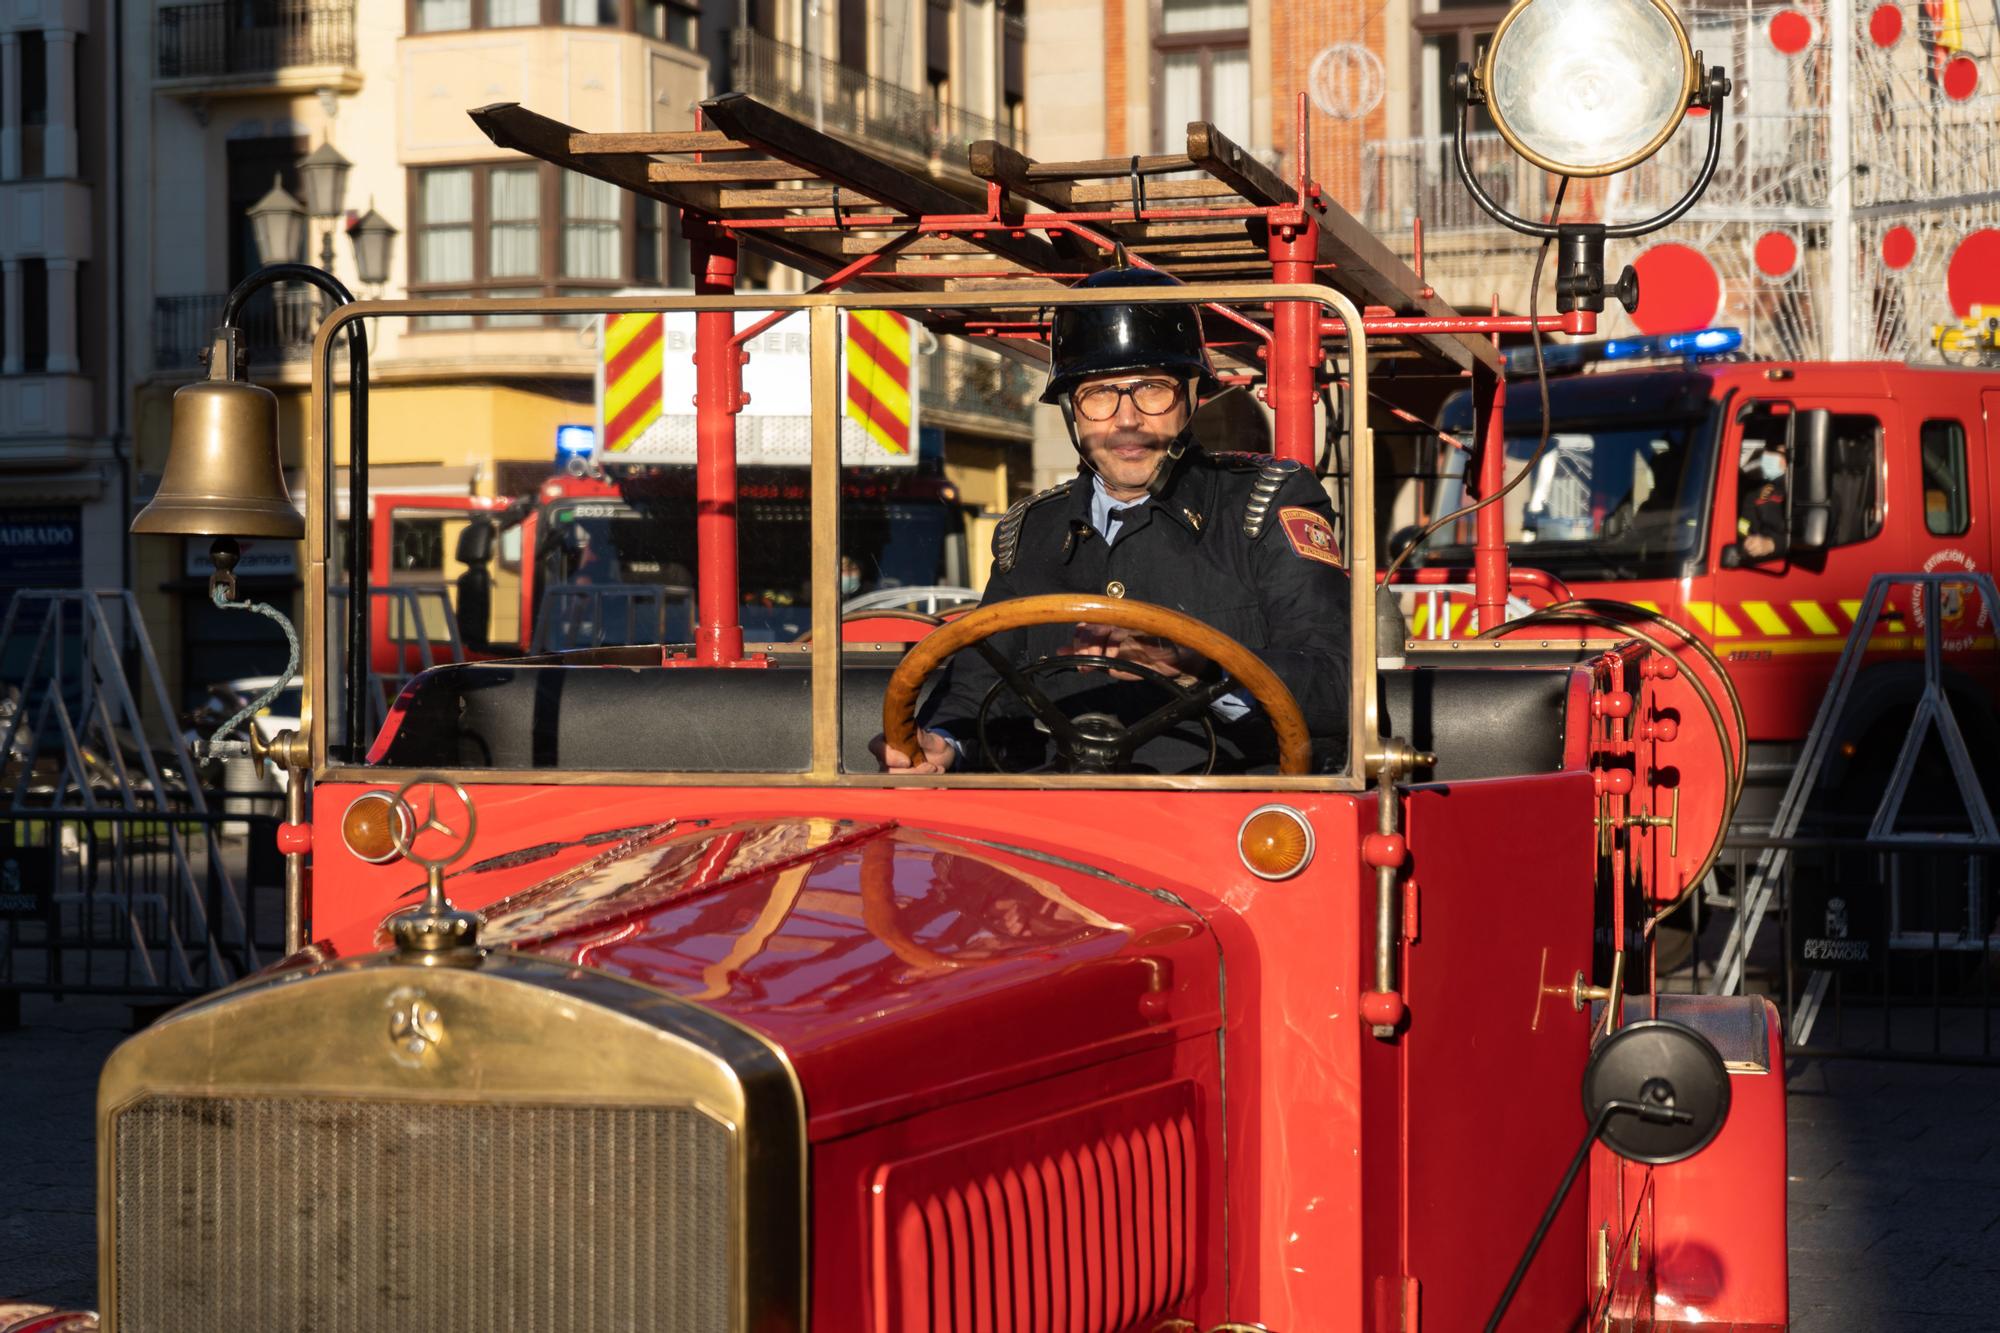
pixel 850 584
pixel 1770 466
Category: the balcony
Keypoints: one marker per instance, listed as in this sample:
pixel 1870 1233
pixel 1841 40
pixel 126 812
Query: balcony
pixel 846 102
pixel 277 323
pixel 249 47
pixel 985 394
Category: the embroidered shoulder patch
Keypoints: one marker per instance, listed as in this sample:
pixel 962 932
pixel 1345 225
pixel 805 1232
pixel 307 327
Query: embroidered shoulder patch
pixel 1310 534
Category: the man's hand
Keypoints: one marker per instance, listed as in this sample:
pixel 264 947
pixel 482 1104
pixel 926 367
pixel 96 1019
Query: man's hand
pixel 1162 655
pixel 939 754
pixel 1757 546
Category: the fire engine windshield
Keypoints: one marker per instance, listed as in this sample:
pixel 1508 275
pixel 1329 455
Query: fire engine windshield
pixel 1621 492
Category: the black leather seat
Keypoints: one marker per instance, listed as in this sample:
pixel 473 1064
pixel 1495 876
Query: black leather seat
pixel 1482 722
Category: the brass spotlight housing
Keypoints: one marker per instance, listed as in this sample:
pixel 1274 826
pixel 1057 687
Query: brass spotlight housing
pixel 1589 87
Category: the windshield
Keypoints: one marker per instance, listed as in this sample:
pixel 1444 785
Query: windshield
pixel 1620 496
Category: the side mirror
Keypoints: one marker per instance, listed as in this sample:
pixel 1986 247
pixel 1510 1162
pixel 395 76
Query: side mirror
pixel 1810 492
pixel 475 542
pixel 1658 1091
pixel 1655 1092
pixel 1733 557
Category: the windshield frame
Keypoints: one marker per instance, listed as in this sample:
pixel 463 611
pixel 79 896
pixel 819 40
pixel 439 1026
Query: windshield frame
pixel 823 311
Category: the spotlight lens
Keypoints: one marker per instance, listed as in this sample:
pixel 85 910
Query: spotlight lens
pixel 1276 842
pixel 370 824
pixel 1588 87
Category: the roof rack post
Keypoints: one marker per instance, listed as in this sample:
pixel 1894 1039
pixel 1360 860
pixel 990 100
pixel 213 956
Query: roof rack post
pixel 718 398
pixel 1294 349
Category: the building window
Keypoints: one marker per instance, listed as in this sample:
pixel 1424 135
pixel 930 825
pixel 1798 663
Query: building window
pixel 671 21
pixel 512 230
pixel 34 103
pixel 1455 33
pixel 639 15
pixel 659 252
pixel 34 315
pixel 590 211
pixel 1203 49
pixel 1946 511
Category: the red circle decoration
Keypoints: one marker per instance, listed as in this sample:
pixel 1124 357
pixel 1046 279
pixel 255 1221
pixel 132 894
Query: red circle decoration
pixel 1791 31
pixel 1973 277
pixel 1899 247
pixel 1961 78
pixel 1678 290
pixel 1885 25
pixel 1777 254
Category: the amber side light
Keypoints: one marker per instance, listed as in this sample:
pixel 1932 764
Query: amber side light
pixel 369 827
pixel 1275 842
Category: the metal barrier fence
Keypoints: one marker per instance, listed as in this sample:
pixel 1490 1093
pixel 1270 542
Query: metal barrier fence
pixel 138 902
pixel 1883 948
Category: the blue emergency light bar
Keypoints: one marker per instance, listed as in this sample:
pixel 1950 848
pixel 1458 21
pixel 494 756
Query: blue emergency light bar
pixel 1574 356
pixel 575 442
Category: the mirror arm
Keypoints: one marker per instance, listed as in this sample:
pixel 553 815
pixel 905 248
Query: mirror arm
pixel 1657 1114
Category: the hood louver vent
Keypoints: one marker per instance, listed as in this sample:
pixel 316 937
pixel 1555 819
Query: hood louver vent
pixel 1082 1224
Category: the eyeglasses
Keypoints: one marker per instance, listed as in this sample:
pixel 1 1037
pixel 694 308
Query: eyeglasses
pixel 1155 398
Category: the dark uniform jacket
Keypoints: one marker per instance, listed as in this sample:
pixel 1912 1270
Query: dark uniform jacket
pixel 1760 508
pixel 1241 541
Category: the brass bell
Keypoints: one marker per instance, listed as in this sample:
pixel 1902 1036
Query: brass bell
pixel 223 476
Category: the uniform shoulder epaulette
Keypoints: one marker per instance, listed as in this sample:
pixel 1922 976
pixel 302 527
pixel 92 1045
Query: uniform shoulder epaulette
pixel 1007 537
pixel 1272 473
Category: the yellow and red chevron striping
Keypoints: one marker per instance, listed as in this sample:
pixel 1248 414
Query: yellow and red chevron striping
pixel 632 377
pixel 878 377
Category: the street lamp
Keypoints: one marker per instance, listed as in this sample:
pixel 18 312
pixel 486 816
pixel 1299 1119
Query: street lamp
pixel 373 238
pixel 323 176
pixel 1589 88
pixel 278 225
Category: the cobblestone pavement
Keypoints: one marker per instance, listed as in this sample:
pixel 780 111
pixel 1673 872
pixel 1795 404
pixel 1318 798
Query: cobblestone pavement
pixel 1895 1180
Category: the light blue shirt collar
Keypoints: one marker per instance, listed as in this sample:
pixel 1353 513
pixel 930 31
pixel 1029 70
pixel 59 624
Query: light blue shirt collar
pixel 1101 505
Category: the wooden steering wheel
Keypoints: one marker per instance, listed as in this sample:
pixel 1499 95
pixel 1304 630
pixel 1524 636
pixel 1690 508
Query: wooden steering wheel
pixel 899 700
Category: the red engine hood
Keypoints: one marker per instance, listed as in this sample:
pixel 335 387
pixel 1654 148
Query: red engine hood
pixel 899 969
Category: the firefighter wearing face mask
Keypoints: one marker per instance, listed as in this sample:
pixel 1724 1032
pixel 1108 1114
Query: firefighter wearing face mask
pixel 1761 528
pixel 1244 542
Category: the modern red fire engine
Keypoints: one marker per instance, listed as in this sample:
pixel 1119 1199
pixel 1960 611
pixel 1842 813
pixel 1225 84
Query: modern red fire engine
pixel 625 992
pixel 1650 487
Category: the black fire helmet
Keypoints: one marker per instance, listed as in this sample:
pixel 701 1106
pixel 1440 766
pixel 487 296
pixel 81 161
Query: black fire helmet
pixel 1091 340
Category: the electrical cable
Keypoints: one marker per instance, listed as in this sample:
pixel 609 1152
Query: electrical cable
pixel 1541 381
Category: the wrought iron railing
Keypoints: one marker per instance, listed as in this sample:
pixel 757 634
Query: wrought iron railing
pixel 253 36
pixel 958 380
pixel 843 100
pixel 277 323
pixel 1770 165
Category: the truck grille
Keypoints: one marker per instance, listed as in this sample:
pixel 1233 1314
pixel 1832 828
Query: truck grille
pixel 265 1213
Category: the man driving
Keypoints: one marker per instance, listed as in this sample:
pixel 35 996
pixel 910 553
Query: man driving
pixel 1761 528
pixel 1242 542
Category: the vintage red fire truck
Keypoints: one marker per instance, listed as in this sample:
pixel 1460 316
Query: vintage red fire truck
pixel 1650 483
pixel 625 992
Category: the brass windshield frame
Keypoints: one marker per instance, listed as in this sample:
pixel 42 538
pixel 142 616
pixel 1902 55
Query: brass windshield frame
pixel 823 311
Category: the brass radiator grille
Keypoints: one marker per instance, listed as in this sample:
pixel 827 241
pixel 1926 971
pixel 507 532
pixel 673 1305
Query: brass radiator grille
pixel 347 1216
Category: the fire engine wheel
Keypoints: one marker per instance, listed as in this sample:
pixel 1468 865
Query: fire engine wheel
pixel 1243 667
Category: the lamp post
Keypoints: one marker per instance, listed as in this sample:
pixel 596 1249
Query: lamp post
pixel 278 225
